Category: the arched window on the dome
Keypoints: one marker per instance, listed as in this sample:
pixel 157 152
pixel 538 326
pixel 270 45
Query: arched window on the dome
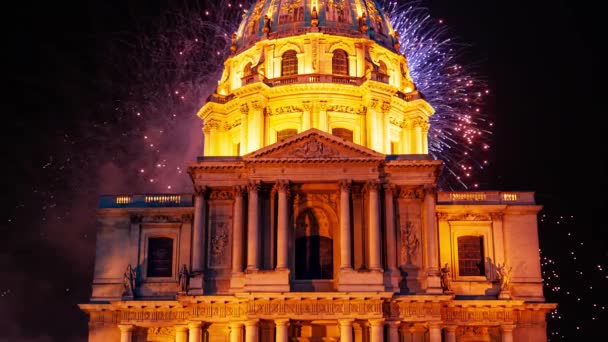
pixel 343 133
pixel 339 63
pixel 289 63
pixel 247 70
pixel 382 68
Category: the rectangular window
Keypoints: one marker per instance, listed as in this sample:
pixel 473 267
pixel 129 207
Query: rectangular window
pixel 470 256
pixel 160 257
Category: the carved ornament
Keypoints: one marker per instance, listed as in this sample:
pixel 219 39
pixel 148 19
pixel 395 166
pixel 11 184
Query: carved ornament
pixel 385 107
pixel 221 195
pixel 411 193
pixel 161 219
pixel 187 218
pixel 161 332
pixel 219 242
pixel 315 149
pixel 200 190
pixel 284 110
pixel 345 185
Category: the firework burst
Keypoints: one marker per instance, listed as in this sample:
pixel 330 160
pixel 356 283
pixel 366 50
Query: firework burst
pixel 459 133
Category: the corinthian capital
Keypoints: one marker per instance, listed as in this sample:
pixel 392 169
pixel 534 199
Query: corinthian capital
pixel 254 186
pixel 391 189
pixel 345 185
pixel 282 185
pixel 307 105
pixel 200 190
pixel 385 107
pixel 244 108
pixel 372 185
pixel 239 190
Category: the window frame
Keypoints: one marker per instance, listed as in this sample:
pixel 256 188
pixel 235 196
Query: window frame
pixel 159 230
pixel 283 64
pixel 333 63
pixel 481 229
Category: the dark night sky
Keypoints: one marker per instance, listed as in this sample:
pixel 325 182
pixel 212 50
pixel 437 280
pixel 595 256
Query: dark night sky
pixel 538 57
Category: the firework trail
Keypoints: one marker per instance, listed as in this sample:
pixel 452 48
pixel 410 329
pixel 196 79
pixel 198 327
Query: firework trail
pixel 459 133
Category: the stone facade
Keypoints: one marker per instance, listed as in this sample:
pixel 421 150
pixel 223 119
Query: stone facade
pixel 315 214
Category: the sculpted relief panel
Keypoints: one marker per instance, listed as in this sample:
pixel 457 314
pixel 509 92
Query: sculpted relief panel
pixel 410 242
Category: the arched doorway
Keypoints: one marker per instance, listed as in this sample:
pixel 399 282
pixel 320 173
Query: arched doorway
pixel 314 246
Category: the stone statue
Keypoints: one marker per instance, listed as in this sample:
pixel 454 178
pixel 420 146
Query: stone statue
pixel 129 282
pixel 184 277
pixel 409 242
pixel 446 279
pixel 504 276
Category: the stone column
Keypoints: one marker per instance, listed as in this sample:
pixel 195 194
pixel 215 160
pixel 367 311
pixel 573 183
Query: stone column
pixel 323 116
pixel 282 332
pixel 433 281
pixel 198 241
pixel 236 331
pixel 251 330
pixel 377 330
pixel 391 239
pixel 425 139
pixel 346 330
pixel 450 333
pixel 507 332
pixel 253 255
pixel 386 126
pixel 126 332
pixel 306 115
pixel 375 237
pixel 244 129
pixel 345 234
pixel 393 331
pixel 434 332
pixel 195 332
pixel 256 127
pixel 283 226
pixel 181 333
pixel 237 230
pixel 418 135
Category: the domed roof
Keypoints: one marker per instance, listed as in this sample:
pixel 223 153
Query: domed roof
pixel 282 18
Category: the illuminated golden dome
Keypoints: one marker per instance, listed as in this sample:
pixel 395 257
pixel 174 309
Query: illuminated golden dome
pixel 279 18
pixel 287 75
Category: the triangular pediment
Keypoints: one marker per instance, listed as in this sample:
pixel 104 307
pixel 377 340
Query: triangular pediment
pixel 314 145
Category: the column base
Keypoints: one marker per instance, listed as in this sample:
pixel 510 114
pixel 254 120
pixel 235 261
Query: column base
pixel 237 282
pixel 357 281
pixel 391 280
pixel 433 285
pixel 505 294
pixel 127 297
pixel 267 281
pixel 197 285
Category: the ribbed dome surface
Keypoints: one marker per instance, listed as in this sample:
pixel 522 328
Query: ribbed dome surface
pixel 281 18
